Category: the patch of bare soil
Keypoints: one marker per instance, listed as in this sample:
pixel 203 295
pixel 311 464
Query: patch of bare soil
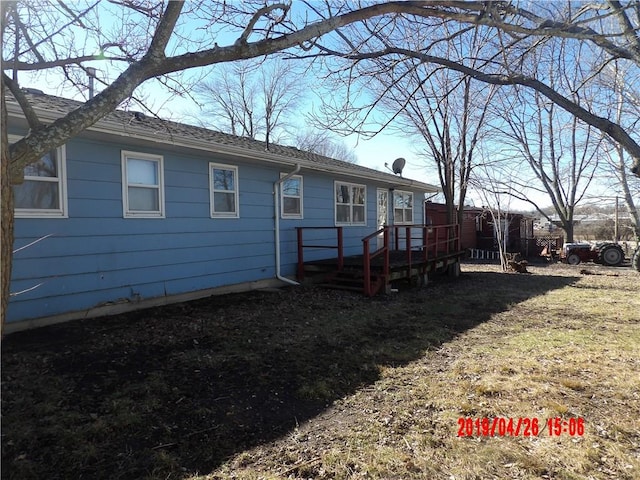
pixel 175 391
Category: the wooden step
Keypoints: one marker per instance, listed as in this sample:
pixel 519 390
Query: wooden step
pixel 349 280
pixel 336 286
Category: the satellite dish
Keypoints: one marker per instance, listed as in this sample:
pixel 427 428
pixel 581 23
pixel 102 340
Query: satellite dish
pixel 398 165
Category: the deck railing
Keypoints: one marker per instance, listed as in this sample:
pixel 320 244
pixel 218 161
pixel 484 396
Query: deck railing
pixel 368 255
pixel 430 240
pixel 301 246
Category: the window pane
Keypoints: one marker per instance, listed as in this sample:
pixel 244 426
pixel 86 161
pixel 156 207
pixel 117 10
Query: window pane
pixel 358 195
pixel 291 187
pixel 35 194
pixel 142 172
pixel 224 202
pixel 343 213
pixel 398 217
pixel 358 214
pixel 144 199
pixel 291 206
pixel 342 194
pixel 402 200
pixel 45 167
pixel 223 179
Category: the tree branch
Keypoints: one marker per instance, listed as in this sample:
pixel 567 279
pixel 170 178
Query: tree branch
pixel 612 129
pixel 29 112
pixel 26 66
pixel 164 30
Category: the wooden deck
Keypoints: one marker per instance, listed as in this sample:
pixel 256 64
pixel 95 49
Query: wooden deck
pixel 398 263
pixel 433 249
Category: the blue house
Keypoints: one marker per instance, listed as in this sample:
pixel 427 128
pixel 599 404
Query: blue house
pixel 137 211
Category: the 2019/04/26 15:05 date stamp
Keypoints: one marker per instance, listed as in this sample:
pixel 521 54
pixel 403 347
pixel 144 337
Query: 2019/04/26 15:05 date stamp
pixel 519 427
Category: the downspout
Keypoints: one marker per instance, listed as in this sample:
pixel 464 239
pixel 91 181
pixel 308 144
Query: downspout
pixel 276 205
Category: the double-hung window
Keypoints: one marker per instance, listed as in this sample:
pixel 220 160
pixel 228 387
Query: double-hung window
pixel 291 197
pixel 43 191
pixel 402 207
pixel 142 185
pixel 351 207
pixel 223 189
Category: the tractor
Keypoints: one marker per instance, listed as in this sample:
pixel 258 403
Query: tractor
pixel 606 253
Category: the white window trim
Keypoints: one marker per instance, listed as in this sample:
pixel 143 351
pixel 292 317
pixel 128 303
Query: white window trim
pixel 125 185
pixel 284 215
pixel 236 191
pixel 335 205
pixel 403 209
pixel 61 180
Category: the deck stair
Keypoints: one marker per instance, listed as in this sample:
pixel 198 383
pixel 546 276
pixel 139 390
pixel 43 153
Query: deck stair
pixel 350 280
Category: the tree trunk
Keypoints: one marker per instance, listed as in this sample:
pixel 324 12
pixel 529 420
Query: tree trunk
pixel 568 231
pixel 6 190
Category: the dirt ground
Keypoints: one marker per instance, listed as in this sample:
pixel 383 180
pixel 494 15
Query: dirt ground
pixel 175 391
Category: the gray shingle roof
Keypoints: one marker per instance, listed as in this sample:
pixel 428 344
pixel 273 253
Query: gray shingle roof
pixel 168 131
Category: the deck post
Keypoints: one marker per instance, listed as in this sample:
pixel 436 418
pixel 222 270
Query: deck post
pixel 449 235
pixel 300 256
pixel 340 250
pixel 407 242
pixel 366 267
pixel 386 273
pixel 425 235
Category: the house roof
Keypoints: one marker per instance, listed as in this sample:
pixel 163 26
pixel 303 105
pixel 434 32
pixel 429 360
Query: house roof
pixel 157 130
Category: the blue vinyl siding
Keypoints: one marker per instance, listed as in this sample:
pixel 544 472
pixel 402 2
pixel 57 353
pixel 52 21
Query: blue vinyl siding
pixel 96 256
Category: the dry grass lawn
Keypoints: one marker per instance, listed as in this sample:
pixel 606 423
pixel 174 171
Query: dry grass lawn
pixel 314 384
pixel 570 352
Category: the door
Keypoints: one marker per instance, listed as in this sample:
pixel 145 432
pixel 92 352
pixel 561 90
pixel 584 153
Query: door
pixel 383 213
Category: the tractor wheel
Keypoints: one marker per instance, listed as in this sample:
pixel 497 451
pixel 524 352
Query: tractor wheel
pixel 573 259
pixel 611 255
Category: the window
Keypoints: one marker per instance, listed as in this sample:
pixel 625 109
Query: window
pixel 43 191
pixel 350 204
pixel 402 207
pixel 142 185
pixel 291 197
pixel 223 185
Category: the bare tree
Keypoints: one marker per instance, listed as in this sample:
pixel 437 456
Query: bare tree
pixel 610 29
pixel 624 97
pixel 559 151
pixel 487 182
pixel 323 143
pixel 252 99
pixel 442 110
